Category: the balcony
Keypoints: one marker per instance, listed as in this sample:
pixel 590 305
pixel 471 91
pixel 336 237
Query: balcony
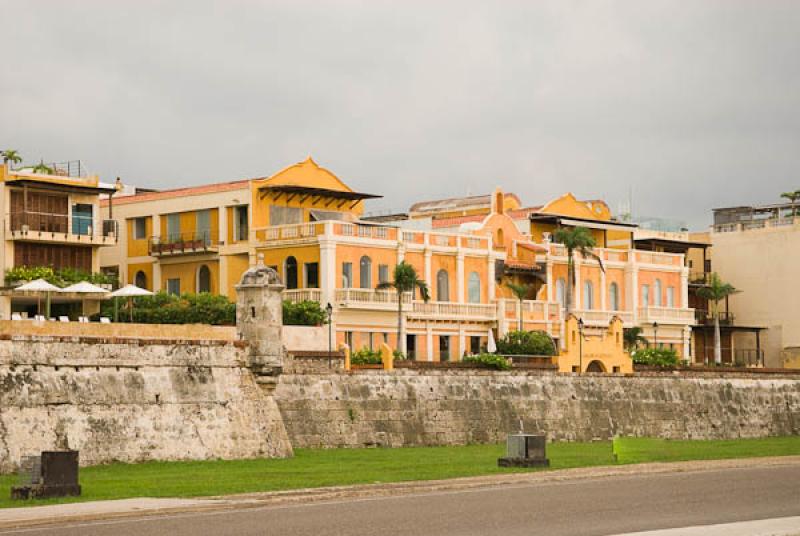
pixel 297 295
pixel 532 311
pixel 666 315
pixel 61 228
pixel 452 310
pixel 192 243
pixel 705 318
pixel 598 318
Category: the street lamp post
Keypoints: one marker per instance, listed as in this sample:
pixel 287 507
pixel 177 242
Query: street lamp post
pixel 329 311
pixel 655 334
pixel 580 345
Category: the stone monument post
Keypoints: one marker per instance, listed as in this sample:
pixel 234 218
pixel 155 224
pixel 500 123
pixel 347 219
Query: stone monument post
pixel 259 322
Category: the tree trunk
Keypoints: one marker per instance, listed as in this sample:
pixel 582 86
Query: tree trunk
pixel 401 341
pixel 717 341
pixel 520 314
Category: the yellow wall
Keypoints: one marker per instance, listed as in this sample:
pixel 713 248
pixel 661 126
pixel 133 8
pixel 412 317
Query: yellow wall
pixel 147 268
pixel 353 254
pixel 237 265
pixel 187 273
pixel 138 248
pixel 277 257
pixel 606 347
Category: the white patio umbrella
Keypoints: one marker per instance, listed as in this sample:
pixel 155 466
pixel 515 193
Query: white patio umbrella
pixel 130 292
pixel 84 287
pixel 491 346
pixel 39 286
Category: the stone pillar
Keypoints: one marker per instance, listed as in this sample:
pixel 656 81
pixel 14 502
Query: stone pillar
pixel 429 341
pixel 259 322
pixel 684 288
pixel 550 284
pixel 632 287
pixel 222 225
pixel 327 271
pixel 603 291
pixel 460 276
pixel 577 294
pixel 156 231
pixel 462 342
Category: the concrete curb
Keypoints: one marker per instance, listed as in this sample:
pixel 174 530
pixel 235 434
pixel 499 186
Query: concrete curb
pixel 16 518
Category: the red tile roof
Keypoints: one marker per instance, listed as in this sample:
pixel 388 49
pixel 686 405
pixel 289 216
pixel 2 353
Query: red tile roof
pixel 180 192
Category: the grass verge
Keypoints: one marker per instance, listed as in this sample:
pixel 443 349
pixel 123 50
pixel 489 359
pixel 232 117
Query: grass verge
pixel 318 468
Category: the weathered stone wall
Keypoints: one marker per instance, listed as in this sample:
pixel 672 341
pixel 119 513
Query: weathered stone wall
pixel 133 400
pixel 430 407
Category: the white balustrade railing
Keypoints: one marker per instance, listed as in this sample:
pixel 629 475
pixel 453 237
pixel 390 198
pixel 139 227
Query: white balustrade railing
pixel 594 317
pixel 297 295
pixel 487 311
pixel 666 315
pixel 366 297
pixel 289 232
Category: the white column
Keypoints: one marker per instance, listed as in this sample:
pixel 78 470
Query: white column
pixel 460 277
pixel 223 275
pixel 490 284
pixel 327 269
pixel 603 291
pixel 684 288
pixel 222 225
pixel 550 282
pixel 428 279
pixel 429 341
pixel 401 253
pixel 632 287
pixel 502 323
pixel 687 341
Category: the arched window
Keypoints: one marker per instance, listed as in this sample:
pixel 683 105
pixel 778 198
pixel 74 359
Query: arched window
pixel 657 293
pixel 588 295
pixel 442 286
pixel 365 272
pixel 203 279
pixel 613 294
pixel 290 271
pixel 140 280
pixel 474 288
pixel 645 295
pixel 670 296
pixel 561 292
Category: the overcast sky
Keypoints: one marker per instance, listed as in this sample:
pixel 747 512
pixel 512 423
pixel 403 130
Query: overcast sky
pixel 689 104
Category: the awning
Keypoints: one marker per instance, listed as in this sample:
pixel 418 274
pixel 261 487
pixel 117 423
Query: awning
pixel 322 192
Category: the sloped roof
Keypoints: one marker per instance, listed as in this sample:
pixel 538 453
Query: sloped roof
pixel 179 192
pixel 455 203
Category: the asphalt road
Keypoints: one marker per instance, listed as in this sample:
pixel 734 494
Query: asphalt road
pixel 600 506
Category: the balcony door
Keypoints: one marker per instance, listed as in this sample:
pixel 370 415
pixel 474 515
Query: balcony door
pixel 81 219
pixel 203 226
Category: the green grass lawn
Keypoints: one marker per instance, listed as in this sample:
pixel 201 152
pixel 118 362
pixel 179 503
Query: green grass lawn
pixel 318 468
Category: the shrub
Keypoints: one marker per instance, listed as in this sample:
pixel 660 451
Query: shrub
pixel 365 356
pixel 399 356
pixel 492 361
pixel 163 308
pixel 526 343
pixel 655 357
pixel 304 313
pixel 61 278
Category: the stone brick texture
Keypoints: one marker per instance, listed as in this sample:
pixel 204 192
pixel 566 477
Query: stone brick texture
pixel 133 401
pixel 456 407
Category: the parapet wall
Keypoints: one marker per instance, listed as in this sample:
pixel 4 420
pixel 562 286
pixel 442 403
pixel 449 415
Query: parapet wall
pixel 454 407
pixel 133 400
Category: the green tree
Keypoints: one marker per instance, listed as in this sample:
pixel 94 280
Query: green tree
pixel 521 292
pixel 715 291
pixel 580 240
pixel 792 197
pixel 633 338
pixel 405 279
pixel 11 155
pixel 43 168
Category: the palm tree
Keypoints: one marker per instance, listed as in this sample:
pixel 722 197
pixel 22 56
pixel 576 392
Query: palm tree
pixel 405 280
pixel 715 291
pixel 633 338
pixel 576 239
pixel 521 292
pixel 792 197
pixel 11 155
pixel 43 168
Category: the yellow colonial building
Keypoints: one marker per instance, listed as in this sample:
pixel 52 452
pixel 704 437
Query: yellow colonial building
pixel 308 224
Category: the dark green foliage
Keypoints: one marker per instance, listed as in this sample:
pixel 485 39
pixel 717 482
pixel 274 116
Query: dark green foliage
pixel 365 356
pixel 655 357
pixel 633 338
pixel 61 278
pixel 163 308
pixel 526 343
pixel 304 313
pixel 492 361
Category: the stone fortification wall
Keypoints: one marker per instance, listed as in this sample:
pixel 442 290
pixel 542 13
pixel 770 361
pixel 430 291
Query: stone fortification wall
pixel 431 407
pixel 133 400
